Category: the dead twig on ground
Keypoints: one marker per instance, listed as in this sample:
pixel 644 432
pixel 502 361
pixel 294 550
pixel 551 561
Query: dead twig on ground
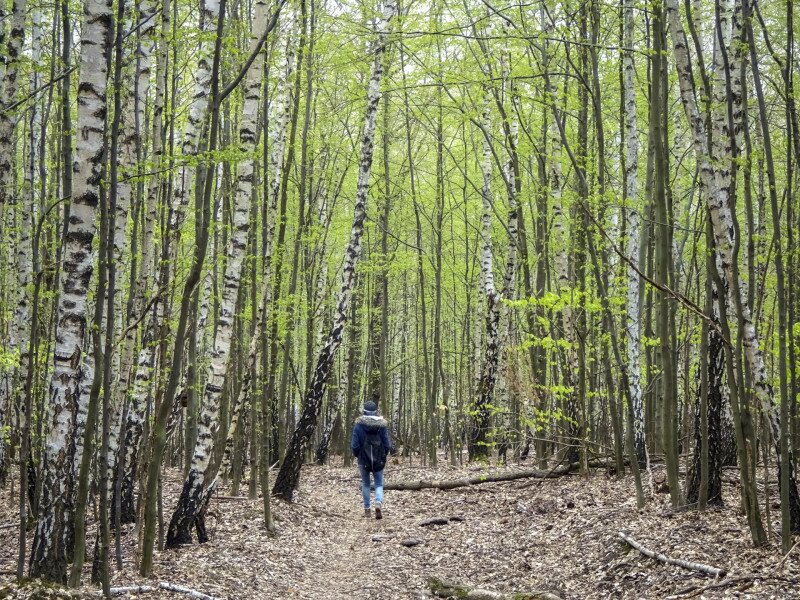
pixel 783 560
pixel 692 566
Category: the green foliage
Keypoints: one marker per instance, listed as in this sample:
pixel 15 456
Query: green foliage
pixel 541 419
pixel 9 359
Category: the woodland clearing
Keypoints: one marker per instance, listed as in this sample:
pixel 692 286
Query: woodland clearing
pixel 556 535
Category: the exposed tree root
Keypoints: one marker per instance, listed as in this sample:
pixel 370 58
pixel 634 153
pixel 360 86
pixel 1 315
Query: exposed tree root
pixel 451 590
pixel 692 566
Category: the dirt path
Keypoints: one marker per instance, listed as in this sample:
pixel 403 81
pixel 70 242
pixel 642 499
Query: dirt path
pixel 557 535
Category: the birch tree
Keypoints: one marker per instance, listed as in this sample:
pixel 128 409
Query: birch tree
pixel 197 483
pixel 289 474
pixel 633 300
pixel 48 558
pixel 721 217
pixel 9 201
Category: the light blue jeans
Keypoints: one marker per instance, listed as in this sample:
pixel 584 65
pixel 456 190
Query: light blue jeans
pixel 365 483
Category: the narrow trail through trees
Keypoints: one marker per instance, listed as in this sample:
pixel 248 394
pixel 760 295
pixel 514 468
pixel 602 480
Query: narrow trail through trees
pixel 539 233
pixel 557 536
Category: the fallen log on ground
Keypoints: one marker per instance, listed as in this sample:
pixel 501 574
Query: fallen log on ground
pixel 434 521
pixel 444 589
pixel 449 484
pixel 692 566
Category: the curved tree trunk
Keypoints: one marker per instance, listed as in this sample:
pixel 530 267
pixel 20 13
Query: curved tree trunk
pixel 722 220
pixel 289 474
pixel 191 500
pixel 490 366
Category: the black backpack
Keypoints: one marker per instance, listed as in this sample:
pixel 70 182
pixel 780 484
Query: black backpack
pixel 373 454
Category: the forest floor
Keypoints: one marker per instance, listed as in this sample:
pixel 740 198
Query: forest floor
pixel 556 535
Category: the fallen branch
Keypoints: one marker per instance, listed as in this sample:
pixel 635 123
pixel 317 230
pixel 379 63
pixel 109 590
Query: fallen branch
pixel 449 484
pixel 162 585
pixel 783 560
pixel 692 566
pixel 694 590
pixel 451 590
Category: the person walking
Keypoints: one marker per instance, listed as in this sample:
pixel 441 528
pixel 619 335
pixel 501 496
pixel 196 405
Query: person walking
pixel 371 445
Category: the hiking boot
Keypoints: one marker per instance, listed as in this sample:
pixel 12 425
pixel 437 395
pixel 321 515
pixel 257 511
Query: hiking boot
pixel 367 513
pixel 378 513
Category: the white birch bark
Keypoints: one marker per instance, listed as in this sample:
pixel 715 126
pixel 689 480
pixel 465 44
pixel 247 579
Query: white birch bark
pixel 561 243
pixel 289 474
pixel 322 275
pixel 720 210
pixel 280 110
pixel 191 499
pixel 48 560
pixel 720 130
pixel 3 35
pixel 23 248
pixel 5 375
pixel 179 202
pixel 9 87
pixel 131 140
pixel 490 366
pixel 487 285
pixel 632 204
pixel 197 114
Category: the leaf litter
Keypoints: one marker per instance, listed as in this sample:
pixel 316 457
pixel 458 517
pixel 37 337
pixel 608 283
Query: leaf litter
pixel 557 535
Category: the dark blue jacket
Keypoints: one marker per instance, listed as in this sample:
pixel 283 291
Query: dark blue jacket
pixel 369 424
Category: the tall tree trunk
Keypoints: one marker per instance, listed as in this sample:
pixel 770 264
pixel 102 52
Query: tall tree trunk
pixel 790 499
pixel 48 559
pixel 8 95
pixel 663 258
pixel 191 500
pixel 632 204
pixel 478 446
pixel 705 482
pixel 282 112
pixel 723 226
pixel 207 73
pixel 561 262
pixel 27 266
pixel 8 196
pixel 131 159
pixel 289 474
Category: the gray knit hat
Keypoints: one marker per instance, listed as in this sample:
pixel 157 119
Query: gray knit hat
pixel 370 408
